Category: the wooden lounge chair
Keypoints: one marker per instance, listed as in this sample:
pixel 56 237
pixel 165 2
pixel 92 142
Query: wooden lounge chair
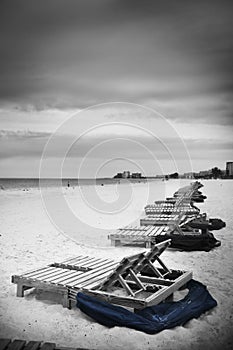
pixel 137 282
pixel 18 344
pixel 125 283
pixel 166 219
pixel 152 209
pixel 138 234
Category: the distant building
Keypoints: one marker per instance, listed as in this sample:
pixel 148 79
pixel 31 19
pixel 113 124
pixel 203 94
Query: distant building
pixel 126 174
pixel 136 175
pixel 189 175
pixel 205 173
pixel 229 168
pixel 118 176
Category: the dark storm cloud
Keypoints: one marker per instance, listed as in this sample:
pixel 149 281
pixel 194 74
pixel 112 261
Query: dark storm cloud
pixel 27 143
pixel 73 53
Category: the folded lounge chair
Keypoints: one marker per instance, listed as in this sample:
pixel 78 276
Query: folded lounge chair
pixel 123 283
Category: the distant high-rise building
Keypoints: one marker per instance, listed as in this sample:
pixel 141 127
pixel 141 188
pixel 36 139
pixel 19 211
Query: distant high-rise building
pixel 190 175
pixel 229 168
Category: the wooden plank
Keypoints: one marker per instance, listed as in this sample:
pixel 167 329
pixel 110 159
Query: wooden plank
pixel 38 271
pixel 98 262
pixel 154 269
pixel 62 274
pixel 40 285
pixel 135 232
pixel 65 273
pixel 162 264
pixel 96 281
pixel 154 232
pixel 163 293
pixel 136 279
pixel 87 276
pixel 122 266
pixel 73 276
pixel 51 274
pixel 48 346
pixel 42 268
pixel 16 345
pixel 57 279
pixel 4 343
pixel 125 285
pixel 83 261
pixel 65 278
pixel 70 267
pixel 133 228
pixel 32 345
pixel 160 230
pixel 151 230
pixel 155 280
pixel 128 301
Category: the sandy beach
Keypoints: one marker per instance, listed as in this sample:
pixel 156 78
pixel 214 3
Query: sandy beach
pixel 28 239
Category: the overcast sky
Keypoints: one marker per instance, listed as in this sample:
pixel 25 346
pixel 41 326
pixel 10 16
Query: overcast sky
pixel 58 57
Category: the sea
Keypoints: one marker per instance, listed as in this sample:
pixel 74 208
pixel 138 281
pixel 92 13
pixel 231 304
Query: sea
pixel 27 183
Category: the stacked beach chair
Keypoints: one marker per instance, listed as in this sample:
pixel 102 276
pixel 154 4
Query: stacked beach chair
pixel 162 218
pixel 176 219
pixel 186 209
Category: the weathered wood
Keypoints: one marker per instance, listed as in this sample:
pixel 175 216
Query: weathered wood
pixel 156 281
pixel 166 292
pixel 32 345
pixel 125 285
pixel 16 345
pixel 106 275
pixel 4 343
pixel 136 279
pixel 136 235
pixel 70 267
pixel 48 346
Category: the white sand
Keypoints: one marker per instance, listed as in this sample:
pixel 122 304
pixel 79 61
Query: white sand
pixel 29 240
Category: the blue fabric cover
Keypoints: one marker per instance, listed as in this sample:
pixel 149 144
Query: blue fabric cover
pixel 151 319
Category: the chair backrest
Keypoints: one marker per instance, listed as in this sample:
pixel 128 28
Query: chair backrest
pixel 130 267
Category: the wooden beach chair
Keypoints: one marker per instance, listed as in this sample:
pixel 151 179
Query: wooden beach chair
pixel 127 282
pixel 152 209
pixel 164 219
pixel 137 235
pixel 137 282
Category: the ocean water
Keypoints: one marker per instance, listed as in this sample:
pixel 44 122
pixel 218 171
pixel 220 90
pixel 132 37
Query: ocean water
pixel 26 183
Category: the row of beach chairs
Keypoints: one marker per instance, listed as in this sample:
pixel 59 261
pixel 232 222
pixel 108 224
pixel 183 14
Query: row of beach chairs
pixel 136 281
pixel 161 218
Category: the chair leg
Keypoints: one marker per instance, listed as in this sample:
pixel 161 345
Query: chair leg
pixel 170 298
pixel 20 290
pixel 66 302
pixel 115 242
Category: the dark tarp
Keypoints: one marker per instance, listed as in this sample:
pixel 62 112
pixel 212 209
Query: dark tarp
pixel 189 242
pixel 211 224
pixel 151 319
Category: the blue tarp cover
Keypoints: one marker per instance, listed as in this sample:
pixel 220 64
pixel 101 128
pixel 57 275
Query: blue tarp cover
pixel 151 319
